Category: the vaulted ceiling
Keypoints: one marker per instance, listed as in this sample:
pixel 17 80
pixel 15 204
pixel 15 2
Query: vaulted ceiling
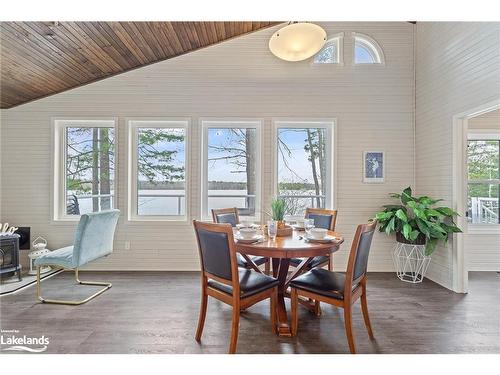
pixel 43 58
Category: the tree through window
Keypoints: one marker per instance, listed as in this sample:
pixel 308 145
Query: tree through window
pixel 232 166
pixel 330 53
pixel 483 161
pixel 304 166
pixel 90 169
pixel 158 169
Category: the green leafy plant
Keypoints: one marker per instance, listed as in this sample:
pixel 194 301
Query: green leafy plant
pixel 278 207
pixel 416 218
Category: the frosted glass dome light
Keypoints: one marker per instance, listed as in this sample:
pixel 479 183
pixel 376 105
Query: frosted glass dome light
pixel 297 41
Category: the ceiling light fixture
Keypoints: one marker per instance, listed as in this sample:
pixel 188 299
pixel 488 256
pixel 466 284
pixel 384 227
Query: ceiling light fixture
pixel 297 41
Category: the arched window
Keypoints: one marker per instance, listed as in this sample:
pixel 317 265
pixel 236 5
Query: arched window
pixel 367 50
pixel 331 53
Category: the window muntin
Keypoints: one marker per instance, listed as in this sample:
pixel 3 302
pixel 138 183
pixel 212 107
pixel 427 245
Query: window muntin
pixel 84 167
pixel 304 179
pixel 157 188
pixel 330 53
pixel 231 167
pixel 483 168
pixel 367 50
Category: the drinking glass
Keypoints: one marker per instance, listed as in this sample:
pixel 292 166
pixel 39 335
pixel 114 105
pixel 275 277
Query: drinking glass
pixel 308 225
pixel 272 229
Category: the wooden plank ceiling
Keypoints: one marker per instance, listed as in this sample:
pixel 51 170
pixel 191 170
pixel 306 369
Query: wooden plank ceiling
pixel 43 58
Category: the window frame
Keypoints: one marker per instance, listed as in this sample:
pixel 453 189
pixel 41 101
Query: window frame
pixel 133 124
pixel 339 41
pixel 58 162
pixel 372 44
pixel 331 128
pixel 481 135
pixel 228 123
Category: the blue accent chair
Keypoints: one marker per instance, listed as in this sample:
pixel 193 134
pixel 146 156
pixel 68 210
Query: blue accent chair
pixel 93 240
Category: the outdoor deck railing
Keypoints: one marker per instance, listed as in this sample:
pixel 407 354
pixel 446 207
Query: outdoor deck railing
pixel 483 210
pixel 249 207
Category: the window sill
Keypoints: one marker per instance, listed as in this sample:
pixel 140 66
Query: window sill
pixel 483 229
pixel 66 221
pixel 152 219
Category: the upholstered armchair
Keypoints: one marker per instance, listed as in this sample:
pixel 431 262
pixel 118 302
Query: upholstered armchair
pixel 93 240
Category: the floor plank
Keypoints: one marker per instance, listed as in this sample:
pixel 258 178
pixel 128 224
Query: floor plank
pixel 157 312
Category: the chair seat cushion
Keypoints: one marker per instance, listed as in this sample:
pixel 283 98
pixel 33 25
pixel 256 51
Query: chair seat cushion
pixel 244 264
pixel 322 282
pixel 317 261
pixel 60 257
pixel 251 282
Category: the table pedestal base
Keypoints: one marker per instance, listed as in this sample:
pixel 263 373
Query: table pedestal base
pixel 280 271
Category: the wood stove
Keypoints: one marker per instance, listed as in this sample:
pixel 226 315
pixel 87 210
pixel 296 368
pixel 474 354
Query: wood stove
pixel 9 256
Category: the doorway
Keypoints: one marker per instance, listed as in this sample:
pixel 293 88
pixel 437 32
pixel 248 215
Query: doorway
pixel 477 208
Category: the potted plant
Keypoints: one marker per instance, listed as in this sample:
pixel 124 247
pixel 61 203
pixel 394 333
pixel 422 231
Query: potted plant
pixel 419 226
pixel 278 212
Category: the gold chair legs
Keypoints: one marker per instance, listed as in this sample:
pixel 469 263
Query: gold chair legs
pixel 65 302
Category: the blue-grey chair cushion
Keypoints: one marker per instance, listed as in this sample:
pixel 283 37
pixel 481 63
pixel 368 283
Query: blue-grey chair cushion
pixel 61 257
pixel 251 282
pixel 93 240
pixel 215 252
pixel 361 262
pixel 321 221
pixel 322 282
pixel 227 219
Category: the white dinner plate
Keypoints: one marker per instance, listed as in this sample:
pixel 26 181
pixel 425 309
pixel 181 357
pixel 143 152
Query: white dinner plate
pixel 326 239
pixel 256 238
pixel 239 226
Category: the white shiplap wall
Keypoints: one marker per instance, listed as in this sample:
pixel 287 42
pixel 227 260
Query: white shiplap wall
pixel 483 249
pixel 457 69
pixel 373 106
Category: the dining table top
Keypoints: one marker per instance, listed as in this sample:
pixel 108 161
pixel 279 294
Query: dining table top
pixel 292 246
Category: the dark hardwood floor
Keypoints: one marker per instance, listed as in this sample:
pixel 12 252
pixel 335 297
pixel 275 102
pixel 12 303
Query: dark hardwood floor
pixel 156 312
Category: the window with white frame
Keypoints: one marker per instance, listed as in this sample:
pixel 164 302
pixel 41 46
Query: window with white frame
pixel 84 167
pixel 483 165
pixel 231 166
pixel 367 50
pixel 304 164
pixel 331 53
pixel 157 169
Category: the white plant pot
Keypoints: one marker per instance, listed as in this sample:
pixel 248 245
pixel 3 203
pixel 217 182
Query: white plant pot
pixel 411 262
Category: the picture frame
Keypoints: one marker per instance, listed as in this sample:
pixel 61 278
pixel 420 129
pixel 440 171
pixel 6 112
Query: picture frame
pixel 374 167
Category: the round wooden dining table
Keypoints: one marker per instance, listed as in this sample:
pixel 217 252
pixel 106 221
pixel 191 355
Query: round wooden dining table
pixel 281 251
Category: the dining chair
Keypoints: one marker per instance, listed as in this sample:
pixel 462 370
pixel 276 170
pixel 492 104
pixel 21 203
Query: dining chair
pixel 337 288
pixel 222 279
pixel 325 219
pixel 93 240
pixel 231 216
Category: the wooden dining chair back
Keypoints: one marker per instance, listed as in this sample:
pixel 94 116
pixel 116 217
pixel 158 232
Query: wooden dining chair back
pixel 216 250
pixel 339 289
pixel 222 279
pixel 323 218
pixel 326 219
pixel 231 216
pixel 226 216
pixel 358 257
